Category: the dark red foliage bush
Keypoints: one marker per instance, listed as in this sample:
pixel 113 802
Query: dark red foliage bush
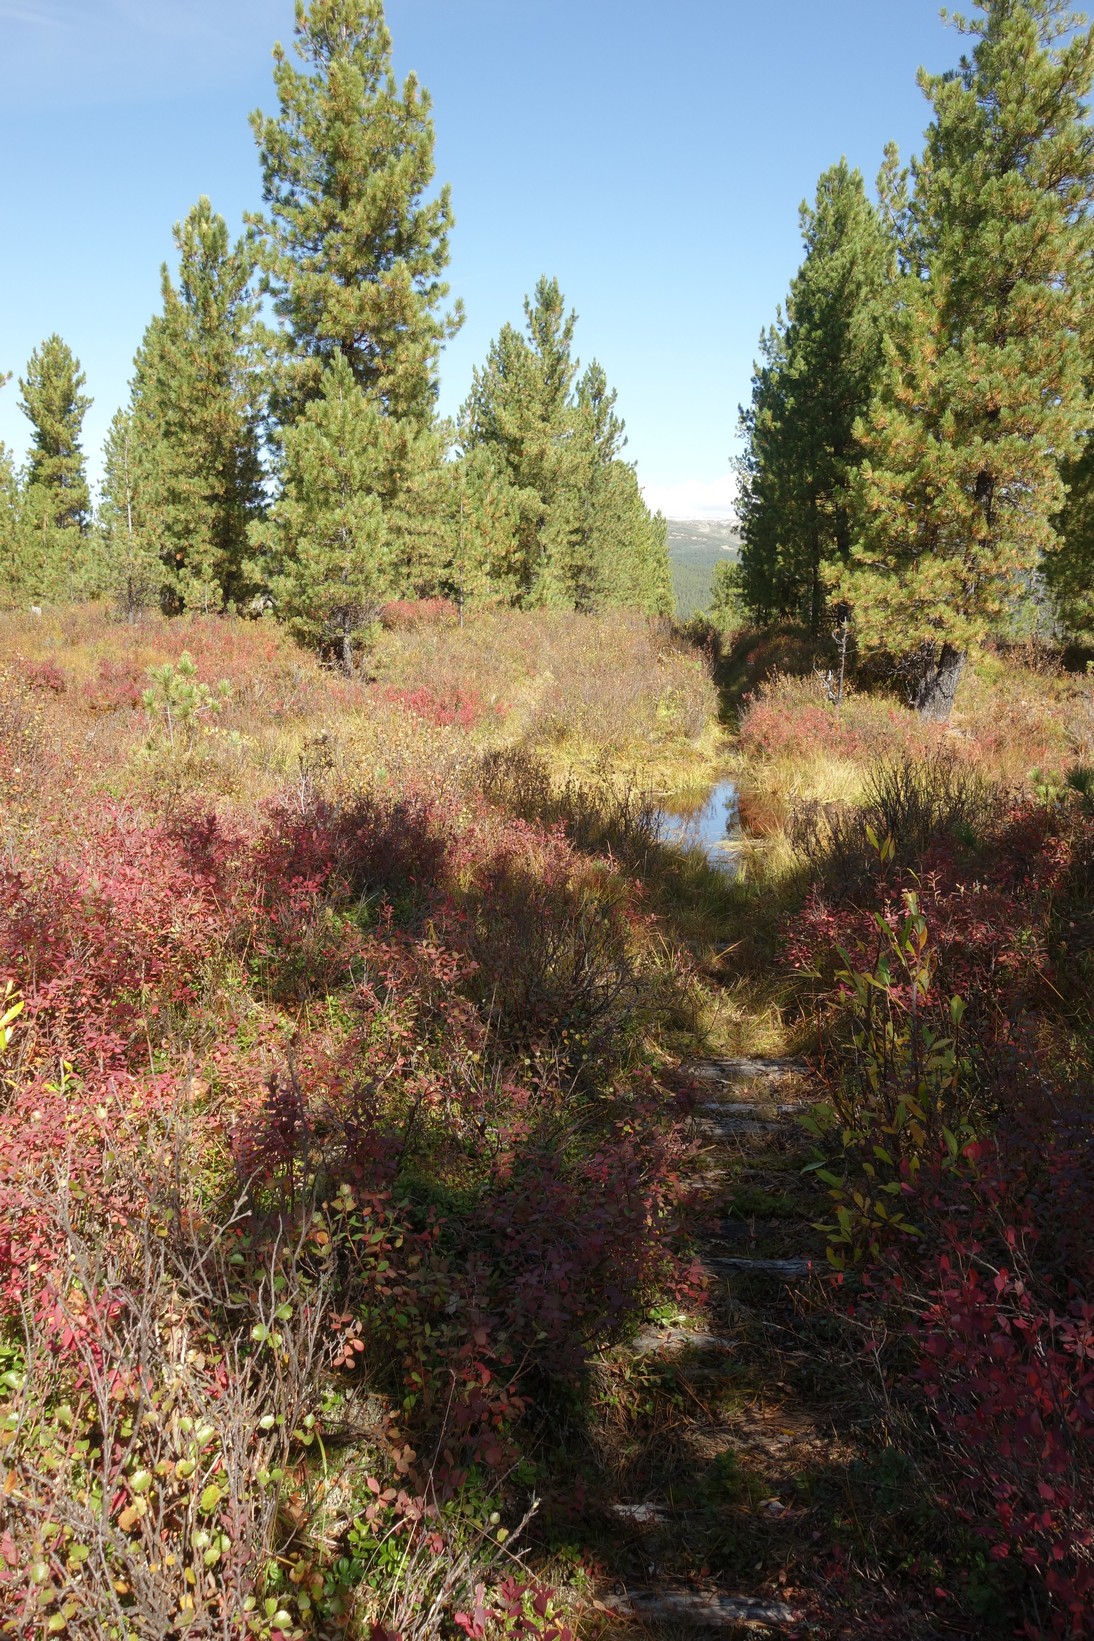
pixel 390 1034
pixel 453 708
pixel 758 654
pixel 45 676
pixel 119 685
pixel 101 941
pixel 1010 1379
pixel 995 1291
pixel 769 728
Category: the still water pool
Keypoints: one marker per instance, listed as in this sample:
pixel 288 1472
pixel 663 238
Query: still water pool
pixel 711 824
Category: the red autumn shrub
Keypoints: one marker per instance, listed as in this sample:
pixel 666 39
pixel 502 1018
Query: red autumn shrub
pixel 755 656
pixel 414 925
pixel 989 903
pixel 235 650
pixel 100 943
pixel 309 1105
pixel 1002 1334
pixel 789 716
pixel 985 1256
pixel 772 728
pixel 1011 1380
pixel 446 709
pixel 45 676
pixel 119 685
pixel 572 1253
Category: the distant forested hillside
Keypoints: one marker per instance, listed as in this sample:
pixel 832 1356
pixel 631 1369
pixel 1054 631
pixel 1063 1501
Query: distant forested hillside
pixel 695 547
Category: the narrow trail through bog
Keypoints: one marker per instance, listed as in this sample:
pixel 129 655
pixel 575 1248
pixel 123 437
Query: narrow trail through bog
pixel 706 1521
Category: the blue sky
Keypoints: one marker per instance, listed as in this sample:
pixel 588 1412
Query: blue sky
pixel 652 156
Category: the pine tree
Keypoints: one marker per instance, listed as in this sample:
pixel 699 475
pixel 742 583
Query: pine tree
pixel 582 535
pixel 55 504
pixel 415 484
pixel 768 587
pixel 11 577
pixel 486 520
pixel 628 547
pixel 727 605
pixel 52 401
pixel 10 566
pixel 520 406
pixel 129 569
pixel 982 396
pixel 193 441
pixel 327 559
pixel 1069 569
pixel 619 556
pixel 352 251
pixel 819 364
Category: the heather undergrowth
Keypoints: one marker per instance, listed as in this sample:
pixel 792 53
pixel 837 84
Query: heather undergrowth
pixel 927 896
pixel 343 1145
pixel 334 1140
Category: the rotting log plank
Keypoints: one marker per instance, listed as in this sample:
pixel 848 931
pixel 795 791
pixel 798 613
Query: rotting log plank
pixel 710 1611
pixel 762 1267
pixel 744 1070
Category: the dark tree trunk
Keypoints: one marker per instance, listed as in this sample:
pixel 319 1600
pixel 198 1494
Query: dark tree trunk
pixel 938 683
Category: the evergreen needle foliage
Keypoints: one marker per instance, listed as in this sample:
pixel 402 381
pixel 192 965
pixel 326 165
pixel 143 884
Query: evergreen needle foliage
pixel 50 516
pixel 983 392
pixel 1069 570
pixel 328 561
pixel 55 406
pixel 130 571
pixel 352 251
pixel 582 537
pixel 9 515
pixel 184 474
pixel 819 365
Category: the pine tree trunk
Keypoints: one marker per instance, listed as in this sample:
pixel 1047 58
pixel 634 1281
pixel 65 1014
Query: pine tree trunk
pixel 815 599
pixel 937 686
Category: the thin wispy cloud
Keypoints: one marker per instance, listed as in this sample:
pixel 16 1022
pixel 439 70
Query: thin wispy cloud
pixel 38 13
pixel 179 20
pixel 166 19
pixel 125 51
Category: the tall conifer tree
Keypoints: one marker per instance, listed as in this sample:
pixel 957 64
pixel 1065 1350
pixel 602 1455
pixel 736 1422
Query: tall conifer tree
pixel 55 503
pixel 819 366
pixel 353 252
pixel 1069 569
pixel 485 526
pixel 55 406
pixel 584 538
pixel 11 577
pixel 326 551
pixel 193 460
pixel 983 394
pixel 130 569
pixel 520 406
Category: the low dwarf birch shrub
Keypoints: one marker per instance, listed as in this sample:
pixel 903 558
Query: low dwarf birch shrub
pixel 301 1124
pixel 953 1137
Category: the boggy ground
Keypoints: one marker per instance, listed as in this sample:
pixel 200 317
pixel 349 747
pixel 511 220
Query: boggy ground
pixel 893 1440
pixel 367 1177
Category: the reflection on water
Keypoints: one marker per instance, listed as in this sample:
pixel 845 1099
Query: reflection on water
pixel 713 825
